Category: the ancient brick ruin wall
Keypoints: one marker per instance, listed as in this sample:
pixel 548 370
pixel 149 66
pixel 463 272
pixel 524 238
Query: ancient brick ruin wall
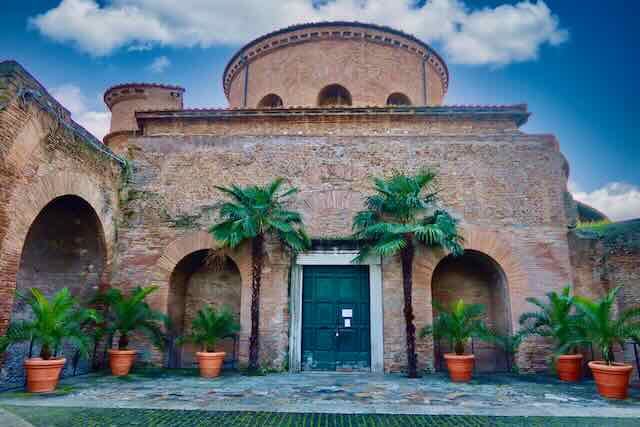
pixel 604 258
pixel 508 189
pixel 41 159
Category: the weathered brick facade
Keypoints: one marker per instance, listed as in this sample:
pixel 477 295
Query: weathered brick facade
pixel 507 188
pixel 604 258
pixel 58 199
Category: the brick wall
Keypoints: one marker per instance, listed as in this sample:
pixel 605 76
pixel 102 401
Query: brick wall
pixel 370 67
pixel 43 157
pixel 508 189
pixel 604 258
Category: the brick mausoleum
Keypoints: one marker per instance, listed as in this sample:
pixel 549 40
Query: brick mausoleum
pixel 325 106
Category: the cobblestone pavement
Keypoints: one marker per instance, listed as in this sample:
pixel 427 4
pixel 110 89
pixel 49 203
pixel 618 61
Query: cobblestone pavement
pixel 488 395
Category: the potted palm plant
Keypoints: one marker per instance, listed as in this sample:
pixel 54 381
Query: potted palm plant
pixel 125 314
pixel 253 213
pixel 398 218
pixel 458 324
pixel 604 329
pixel 557 319
pixel 56 321
pixel 207 328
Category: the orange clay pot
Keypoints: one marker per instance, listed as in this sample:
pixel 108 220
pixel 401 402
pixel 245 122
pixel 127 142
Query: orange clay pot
pixel 43 375
pixel 121 361
pixel 210 363
pixel 460 366
pixel 569 367
pixel 612 380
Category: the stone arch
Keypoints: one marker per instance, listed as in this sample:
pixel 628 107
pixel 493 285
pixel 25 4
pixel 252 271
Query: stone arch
pixel 477 279
pixel 194 284
pixel 492 243
pixel 60 235
pixel 398 98
pixel 27 202
pixel 270 101
pixel 194 243
pixel 334 95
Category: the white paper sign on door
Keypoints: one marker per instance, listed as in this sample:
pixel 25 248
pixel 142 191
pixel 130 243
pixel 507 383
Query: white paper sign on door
pixel 347 312
pixel 347 323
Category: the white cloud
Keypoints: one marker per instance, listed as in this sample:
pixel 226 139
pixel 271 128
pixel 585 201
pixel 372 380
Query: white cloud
pixel 494 36
pixel 619 201
pixel 159 64
pixel 72 98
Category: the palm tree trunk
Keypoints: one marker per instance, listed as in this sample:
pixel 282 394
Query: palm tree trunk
pixel 406 255
pixel 257 260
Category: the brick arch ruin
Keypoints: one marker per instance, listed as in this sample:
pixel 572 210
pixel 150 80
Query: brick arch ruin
pixel 60 236
pixel 187 282
pixel 495 247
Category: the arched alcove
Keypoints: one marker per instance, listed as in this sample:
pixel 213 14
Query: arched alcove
pixel 194 283
pixel 398 98
pixel 477 279
pixel 270 101
pixel 334 95
pixel 64 247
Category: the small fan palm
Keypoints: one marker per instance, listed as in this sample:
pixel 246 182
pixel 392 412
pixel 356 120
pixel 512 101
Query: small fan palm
pixel 209 326
pixel 557 319
pixel 510 344
pixel 458 324
pixel 56 320
pixel 128 313
pixel 253 213
pixel 603 328
pixel 398 217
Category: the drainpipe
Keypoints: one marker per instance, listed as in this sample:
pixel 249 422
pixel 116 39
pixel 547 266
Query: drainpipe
pixel 246 81
pixel 424 79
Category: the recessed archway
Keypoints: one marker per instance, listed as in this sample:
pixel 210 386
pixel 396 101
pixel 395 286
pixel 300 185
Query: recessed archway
pixel 334 95
pixel 270 101
pixel 194 283
pixel 477 279
pixel 398 98
pixel 64 247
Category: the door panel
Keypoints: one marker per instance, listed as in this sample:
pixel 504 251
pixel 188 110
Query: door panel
pixel 335 318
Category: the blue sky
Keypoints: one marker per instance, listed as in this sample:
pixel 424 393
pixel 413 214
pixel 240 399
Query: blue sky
pixel 572 62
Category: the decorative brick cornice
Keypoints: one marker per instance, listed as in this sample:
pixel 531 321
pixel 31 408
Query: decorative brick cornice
pixel 518 113
pixel 315 31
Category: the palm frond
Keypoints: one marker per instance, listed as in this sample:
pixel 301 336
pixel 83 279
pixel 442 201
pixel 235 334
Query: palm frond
pixel 398 211
pixel 256 211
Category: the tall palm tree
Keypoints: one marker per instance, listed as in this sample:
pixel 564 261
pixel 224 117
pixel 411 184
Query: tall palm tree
pixel 399 216
pixel 253 213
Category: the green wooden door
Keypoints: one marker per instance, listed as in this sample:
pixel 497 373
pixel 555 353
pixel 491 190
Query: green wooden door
pixel 335 318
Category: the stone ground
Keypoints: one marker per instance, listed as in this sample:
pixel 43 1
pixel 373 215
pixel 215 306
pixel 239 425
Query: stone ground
pixel 152 396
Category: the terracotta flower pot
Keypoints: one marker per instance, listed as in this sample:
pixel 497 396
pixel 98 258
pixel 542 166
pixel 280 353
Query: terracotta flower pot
pixel 612 380
pixel 569 367
pixel 210 363
pixel 43 375
pixel 121 361
pixel 460 366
